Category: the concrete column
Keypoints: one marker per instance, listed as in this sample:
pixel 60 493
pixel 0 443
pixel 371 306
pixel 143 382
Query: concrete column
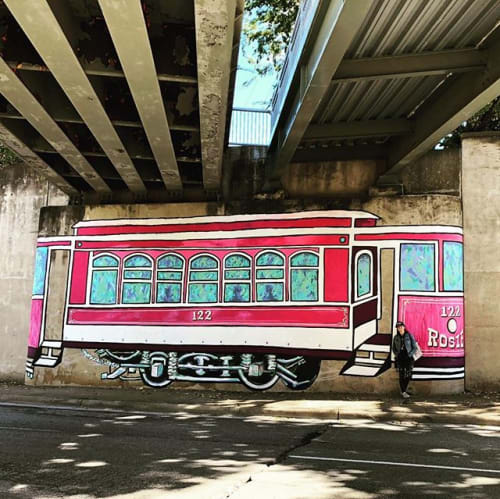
pixel 22 193
pixel 481 211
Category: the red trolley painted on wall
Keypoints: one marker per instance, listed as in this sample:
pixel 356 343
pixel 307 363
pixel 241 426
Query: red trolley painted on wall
pixel 251 299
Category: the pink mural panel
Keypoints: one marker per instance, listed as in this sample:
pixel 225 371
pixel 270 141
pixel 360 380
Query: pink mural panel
pixel 79 277
pixel 436 322
pixel 35 322
pixel 336 275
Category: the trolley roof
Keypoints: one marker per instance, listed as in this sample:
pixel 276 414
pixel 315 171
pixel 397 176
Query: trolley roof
pixel 308 219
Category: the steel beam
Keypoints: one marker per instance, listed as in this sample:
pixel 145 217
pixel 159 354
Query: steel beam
pixel 454 102
pixel 32 159
pixel 22 99
pixel 126 24
pixel 47 36
pixel 116 123
pixel 340 23
pixel 95 70
pixel 357 129
pixel 133 155
pixel 410 65
pixel 214 22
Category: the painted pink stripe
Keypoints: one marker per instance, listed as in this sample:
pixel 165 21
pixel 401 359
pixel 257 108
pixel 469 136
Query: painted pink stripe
pixel 41 244
pixel 35 322
pixel 334 317
pixel 250 242
pixel 214 226
pixel 411 237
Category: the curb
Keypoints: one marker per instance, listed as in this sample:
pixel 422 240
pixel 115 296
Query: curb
pixel 335 411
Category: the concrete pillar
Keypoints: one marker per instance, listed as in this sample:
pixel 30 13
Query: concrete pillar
pixel 481 211
pixel 22 193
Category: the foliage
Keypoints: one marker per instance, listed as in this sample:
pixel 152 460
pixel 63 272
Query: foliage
pixel 268 31
pixel 7 157
pixel 487 119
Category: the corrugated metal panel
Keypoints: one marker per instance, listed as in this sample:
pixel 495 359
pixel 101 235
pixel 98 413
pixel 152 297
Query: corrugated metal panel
pixel 395 27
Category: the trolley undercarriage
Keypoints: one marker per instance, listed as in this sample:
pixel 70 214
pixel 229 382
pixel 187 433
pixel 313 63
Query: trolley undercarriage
pixel 159 369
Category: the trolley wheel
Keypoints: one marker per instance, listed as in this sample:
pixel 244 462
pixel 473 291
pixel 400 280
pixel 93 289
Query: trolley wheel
pixel 299 373
pixel 156 375
pixel 258 383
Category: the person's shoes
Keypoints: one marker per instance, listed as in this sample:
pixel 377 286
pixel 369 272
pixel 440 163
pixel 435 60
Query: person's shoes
pixel 405 395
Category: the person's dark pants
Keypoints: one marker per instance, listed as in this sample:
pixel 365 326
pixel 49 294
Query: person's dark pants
pixel 404 377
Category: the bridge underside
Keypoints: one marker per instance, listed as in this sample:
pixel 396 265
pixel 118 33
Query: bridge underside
pixel 382 79
pixel 120 99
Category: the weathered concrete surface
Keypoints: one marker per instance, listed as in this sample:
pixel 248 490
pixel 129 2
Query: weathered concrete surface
pixel 437 172
pixel 22 193
pixel 331 178
pixel 214 21
pixel 481 202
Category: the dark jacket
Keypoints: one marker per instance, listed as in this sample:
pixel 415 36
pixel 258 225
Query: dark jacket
pixel 409 343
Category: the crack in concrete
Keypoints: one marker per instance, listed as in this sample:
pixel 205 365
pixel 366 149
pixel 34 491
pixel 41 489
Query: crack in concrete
pixel 305 440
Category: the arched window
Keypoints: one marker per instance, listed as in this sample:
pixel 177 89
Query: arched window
pixel 203 280
pixel 270 276
pixel 137 276
pixel 169 279
pixel 363 274
pixel 104 280
pixel 304 276
pixel 237 278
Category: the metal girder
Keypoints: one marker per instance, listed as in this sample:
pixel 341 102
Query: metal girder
pixel 47 36
pixel 93 70
pixel 454 102
pixel 126 24
pixel 357 129
pixel 133 155
pixel 410 65
pixel 214 22
pixel 116 123
pixel 21 98
pixel 32 159
pixel 340 23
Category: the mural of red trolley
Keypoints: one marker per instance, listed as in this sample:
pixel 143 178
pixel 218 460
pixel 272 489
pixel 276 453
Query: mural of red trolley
pixel 252 298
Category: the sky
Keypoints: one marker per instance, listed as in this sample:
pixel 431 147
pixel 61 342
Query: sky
pixel 251 90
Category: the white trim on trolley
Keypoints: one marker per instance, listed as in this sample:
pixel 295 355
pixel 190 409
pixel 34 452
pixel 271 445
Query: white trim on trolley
pixel 272 337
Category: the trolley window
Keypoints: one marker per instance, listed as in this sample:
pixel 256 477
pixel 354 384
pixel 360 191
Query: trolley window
pixel 40 270
pixel 169 278
pixel 417 267
pixel 304 277
pixel 363 275
pixel 137 276
pixel 453 266
pixel 104 280
pixel 203 280
pixel 270 276
pixel 237 278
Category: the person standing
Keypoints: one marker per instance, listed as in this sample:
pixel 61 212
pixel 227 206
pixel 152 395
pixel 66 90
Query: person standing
pixel 404 347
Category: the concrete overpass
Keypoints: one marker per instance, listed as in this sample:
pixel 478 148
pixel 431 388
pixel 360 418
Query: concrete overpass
pixel 129 100
pixel 382 79
pixel 120 100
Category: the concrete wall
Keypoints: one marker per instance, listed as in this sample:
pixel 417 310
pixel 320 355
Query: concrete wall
pixel 22 194
pixel 481 205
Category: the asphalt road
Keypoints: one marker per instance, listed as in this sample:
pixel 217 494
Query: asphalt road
pixel 86 454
